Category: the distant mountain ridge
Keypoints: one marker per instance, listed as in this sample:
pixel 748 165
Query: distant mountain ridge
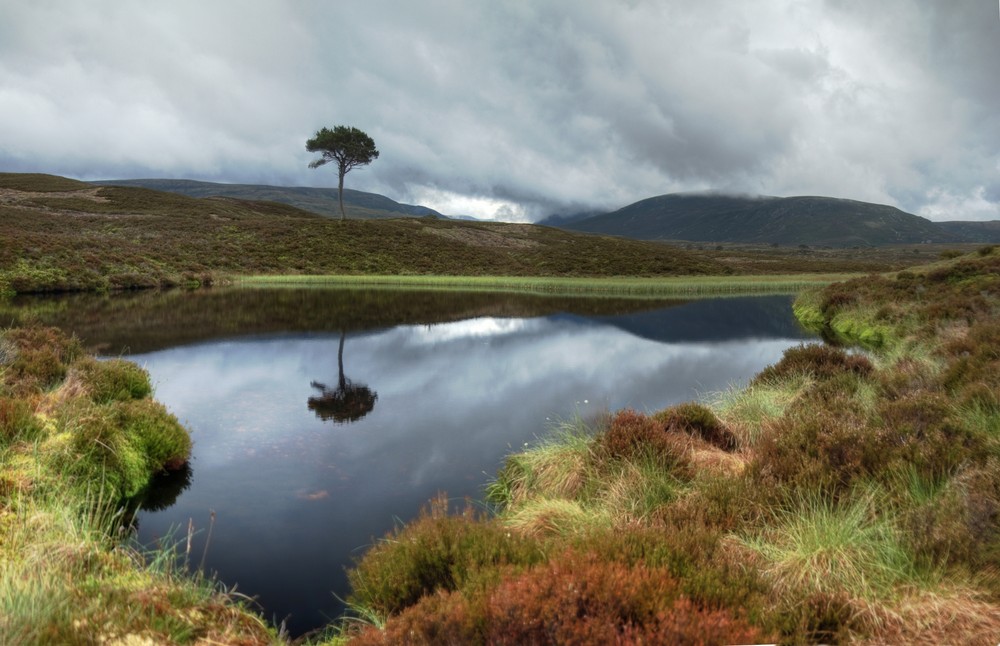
pixel 323 201
pixel 808 220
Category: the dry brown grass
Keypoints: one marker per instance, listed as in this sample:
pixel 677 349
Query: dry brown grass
pixel 958 616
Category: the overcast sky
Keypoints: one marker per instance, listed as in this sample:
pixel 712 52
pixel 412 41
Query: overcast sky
pixel 518 109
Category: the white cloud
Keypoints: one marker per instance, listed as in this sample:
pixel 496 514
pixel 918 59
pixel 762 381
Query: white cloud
pixel 942 204
pixel 520 109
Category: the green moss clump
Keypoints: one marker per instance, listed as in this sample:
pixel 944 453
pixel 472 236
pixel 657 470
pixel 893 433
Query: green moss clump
pixel 113 380
pixel 163 442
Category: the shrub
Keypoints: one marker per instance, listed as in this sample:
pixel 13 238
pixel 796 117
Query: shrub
pixel 837 298
pixel 435 552
pixel 36 358
pixel 975 359
pixel 816 449
pixel 631 435
pixel 699 421
pixel 573 599
pixel 919 430
pixel 113 380
pixel 815 360
pixel 958 520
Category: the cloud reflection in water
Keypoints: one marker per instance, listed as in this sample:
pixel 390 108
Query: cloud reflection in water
pixel 296 495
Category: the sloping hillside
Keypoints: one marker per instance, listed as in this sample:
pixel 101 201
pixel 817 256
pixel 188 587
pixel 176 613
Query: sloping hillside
pixel 62 235
pixel 324 201
pixel 711 217
pixel 988 231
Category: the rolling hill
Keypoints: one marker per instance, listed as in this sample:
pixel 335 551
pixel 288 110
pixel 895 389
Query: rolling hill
pixel 323 201
pixel 63 235
pixel 714 217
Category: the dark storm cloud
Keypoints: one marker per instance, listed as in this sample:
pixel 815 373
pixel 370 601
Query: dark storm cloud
pixel 519 108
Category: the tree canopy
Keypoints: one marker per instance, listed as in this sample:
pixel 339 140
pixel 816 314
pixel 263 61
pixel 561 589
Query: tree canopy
pixel 346 146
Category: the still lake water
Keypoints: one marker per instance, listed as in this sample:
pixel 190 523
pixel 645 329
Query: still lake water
pixel 444 386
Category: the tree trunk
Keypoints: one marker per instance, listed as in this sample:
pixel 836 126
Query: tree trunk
pixel 340 194
pixel 340 362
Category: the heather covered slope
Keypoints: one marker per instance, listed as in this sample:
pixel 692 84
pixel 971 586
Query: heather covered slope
pixel 59 234
pixel 323 201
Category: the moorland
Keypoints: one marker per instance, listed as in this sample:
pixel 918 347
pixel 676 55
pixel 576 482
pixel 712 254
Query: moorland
pixel 848 493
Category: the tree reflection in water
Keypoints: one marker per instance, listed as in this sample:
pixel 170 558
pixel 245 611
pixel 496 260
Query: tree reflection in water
pixel 348 402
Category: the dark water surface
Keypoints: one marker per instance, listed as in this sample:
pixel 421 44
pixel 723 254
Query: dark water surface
pixel 304 463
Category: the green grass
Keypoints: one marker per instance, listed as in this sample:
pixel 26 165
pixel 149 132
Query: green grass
pixel 558 466
pixel 67 577
pixel 686 286
pixel 746 410
pixel 543 517
pixel 822 545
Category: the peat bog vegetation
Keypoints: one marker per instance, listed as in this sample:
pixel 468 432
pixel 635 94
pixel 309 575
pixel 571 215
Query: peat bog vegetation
pixel 843 495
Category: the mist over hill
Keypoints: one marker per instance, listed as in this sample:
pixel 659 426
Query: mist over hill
pixel 324 201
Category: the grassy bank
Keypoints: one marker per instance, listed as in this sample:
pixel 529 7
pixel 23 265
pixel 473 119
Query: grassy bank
pixel 838 497
pixel 676 286
pixel 80 441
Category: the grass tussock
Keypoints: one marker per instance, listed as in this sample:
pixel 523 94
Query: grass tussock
pixel 824 545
